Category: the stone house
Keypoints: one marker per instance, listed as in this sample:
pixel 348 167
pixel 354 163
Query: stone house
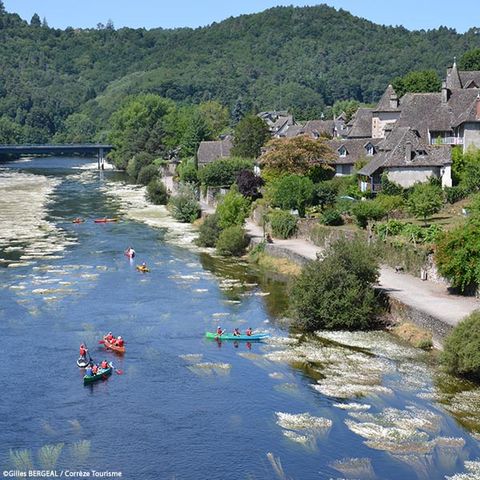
pixel 210 151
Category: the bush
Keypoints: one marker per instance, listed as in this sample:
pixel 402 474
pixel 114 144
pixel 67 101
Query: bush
pixel 390 228
pixel 209 232
pixel 233 209
pixel 283 224
pixel 325 194
pixel 147 174
pixel 223 172
pixel 337 293
pixel 184 206
pixel 138 161
pixel 187 172
pixel 455 194
pixel 389 187
pixel 425 200
pixel 461 350
pixel 292 192
pixel 332 218
pixel 232 241
pixel 249 184
pixel 390 203
pixel 458 256
pixel 366 211
pixel 157 192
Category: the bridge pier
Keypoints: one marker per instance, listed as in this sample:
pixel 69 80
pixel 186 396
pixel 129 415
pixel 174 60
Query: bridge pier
pixel 101 159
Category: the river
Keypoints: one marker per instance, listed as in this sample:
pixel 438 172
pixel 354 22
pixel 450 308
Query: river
pixel 337 405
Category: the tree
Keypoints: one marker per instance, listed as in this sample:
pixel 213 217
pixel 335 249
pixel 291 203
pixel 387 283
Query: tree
pixel 248 184
pixel 78 128
pixel 215 116
pixel 457 256
pixel 209 232
pixel 251 133
pixel 157 192
pixel 297 155
pixel 325 194
pixel 35 21
pixel 187 171
pixel 184 206
pixel 366 211
pixel 348 107
pixel 337 292
pixel 292 192
pixel 417 82
pixel 223 172
pixel 196 132
pixel 461 349
pixel 470 60
pixel 425 200
pixel 238 112
pixel 233 209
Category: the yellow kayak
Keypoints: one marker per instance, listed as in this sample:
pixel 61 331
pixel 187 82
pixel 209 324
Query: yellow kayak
pixel 142 269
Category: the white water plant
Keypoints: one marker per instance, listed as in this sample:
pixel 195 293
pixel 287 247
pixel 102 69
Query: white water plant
pixel 48 455
pixel 21 459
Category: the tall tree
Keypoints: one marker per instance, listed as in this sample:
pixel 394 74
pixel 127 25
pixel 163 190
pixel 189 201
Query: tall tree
pixel 35 21
pixel 196 132
pixel 423 81
pixel 470 60
pixel 251 133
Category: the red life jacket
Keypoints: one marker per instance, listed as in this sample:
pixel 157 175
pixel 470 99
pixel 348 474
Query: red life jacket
pixel 120 342
pixel 83 352
pixel 94 369
pixel 219 331
pixel 104 364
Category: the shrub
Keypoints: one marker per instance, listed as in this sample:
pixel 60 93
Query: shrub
pixel 455 194
pixel 249 184
pixel 138 161
pixel 337 292
pixel 223 172
pixel 332 217
pixel 425 200
pixel 157 192
pixel 390 203
pixel 233 209
pixel 461 354
pixel 232 241
pixel 184 206
pixel 209 232
pixel 325 194
pixel 389 228
pixel 147 174
pixel 458 255
pixel 471 174
pixel 187 171
pixel 292 192
pixel 389 187
pixel 366 211
pixel 283 224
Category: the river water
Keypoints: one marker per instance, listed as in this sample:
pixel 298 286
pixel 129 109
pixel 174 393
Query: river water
pixel 336 405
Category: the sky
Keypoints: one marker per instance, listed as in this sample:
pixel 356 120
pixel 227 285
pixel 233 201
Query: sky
pixel 412 14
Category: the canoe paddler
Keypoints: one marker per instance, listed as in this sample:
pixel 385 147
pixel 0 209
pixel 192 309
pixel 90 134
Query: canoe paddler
pixel 104 365
pixel 249 331
pixel 119 342
pixel 89 371
pixel 109 337
pixel 95 369
pixel 83 351
pixel 220 330
pixel 236 332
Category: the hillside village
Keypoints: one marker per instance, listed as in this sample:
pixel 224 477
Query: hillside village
pixel 409 138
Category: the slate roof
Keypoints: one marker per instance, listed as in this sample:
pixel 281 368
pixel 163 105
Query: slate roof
pixel 384 102
pixel 356 149
pixel 212 150
pixel 361 124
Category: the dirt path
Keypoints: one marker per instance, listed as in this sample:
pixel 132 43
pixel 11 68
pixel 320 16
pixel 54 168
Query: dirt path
pixel 431 298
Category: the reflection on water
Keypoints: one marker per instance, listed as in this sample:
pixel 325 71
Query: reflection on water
pixel 335 404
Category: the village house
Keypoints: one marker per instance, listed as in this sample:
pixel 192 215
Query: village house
pixel 210 151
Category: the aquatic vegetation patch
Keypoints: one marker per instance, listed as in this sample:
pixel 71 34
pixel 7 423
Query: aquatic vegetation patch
pixel 303 428
pixel 48 455
pixel 352 406
pixel 21 459
pixel 209 368
pixel 80 450
pixel 192 357
pixel 472 472
pixel 354 467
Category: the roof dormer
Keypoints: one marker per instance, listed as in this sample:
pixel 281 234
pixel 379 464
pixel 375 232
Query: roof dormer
pixel 342 151
pixel 369 149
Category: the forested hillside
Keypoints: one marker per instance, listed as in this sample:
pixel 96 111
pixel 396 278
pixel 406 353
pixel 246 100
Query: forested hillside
pixel 298 58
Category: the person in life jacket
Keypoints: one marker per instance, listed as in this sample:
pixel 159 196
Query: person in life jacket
pixel 236 332
pixel 83 351
pixel 95 369
pixel 104 365
pixel 109 337
pixel 119 342
pixel 219 330
pixel 249 331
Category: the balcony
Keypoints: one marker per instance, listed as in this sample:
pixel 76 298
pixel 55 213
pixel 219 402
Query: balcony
pixel 446 141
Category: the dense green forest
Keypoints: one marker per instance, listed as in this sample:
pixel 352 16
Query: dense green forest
pixel 64 85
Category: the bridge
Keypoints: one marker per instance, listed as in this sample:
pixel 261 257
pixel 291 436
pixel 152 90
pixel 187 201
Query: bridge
pixel 96 149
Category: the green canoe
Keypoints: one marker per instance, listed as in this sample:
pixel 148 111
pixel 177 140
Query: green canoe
pixel 101 375
pixel 230 336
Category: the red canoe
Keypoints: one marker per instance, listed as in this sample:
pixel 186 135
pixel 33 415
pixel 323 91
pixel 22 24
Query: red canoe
pixel 105 220
pixel 113 347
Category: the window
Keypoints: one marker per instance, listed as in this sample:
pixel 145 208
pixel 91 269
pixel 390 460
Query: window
pixel 342 151
pixel 370 149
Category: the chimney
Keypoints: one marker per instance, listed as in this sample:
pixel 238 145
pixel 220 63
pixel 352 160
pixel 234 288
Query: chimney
pixel 408 151
pixel 445 92
pixel 477 109
pixel 393 101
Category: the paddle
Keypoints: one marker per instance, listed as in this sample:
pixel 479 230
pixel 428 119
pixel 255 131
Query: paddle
pixel 118 372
